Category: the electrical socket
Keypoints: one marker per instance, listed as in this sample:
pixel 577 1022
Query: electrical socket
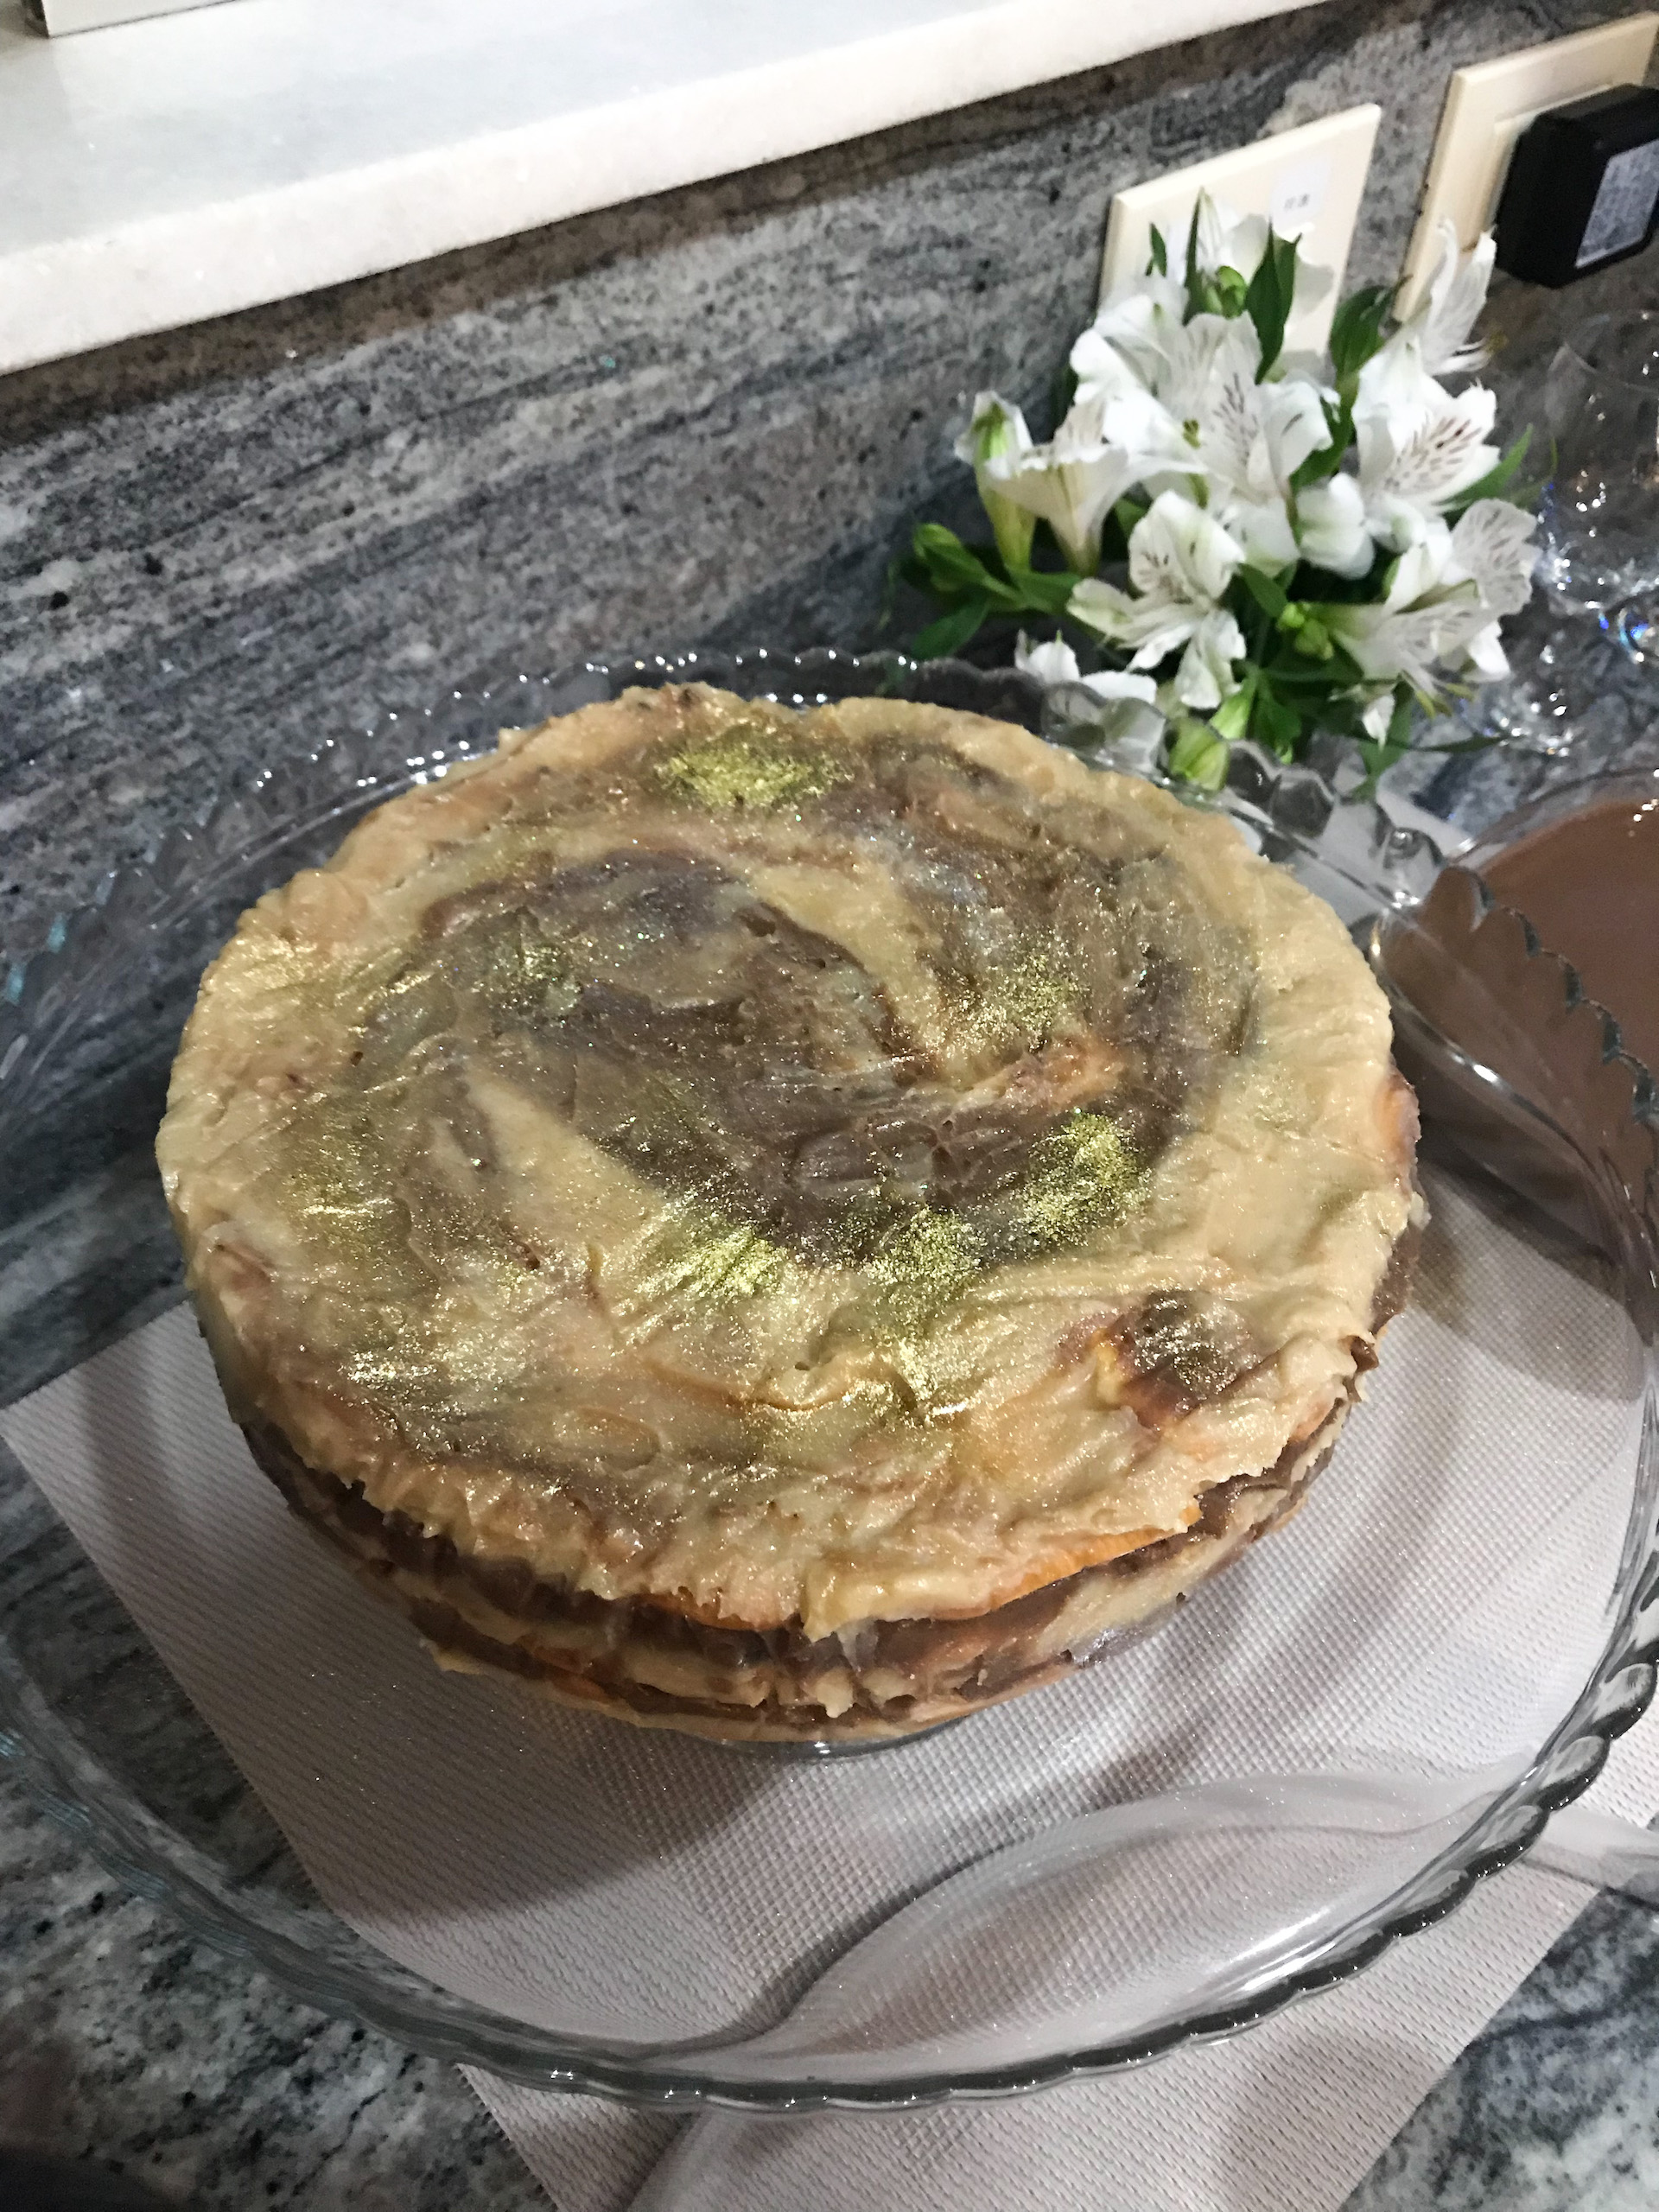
pixel 1488 107
pixel 1309 182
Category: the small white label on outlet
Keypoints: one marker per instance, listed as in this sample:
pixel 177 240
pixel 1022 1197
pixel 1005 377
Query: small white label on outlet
pixel 1298 197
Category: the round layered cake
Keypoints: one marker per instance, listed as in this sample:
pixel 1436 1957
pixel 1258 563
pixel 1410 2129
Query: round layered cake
pixel 789 1225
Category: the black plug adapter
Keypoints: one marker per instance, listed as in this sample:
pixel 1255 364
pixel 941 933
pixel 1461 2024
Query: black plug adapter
pixel 1583 188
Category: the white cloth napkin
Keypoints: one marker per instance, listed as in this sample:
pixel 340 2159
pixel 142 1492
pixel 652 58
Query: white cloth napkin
pixel 1447 1566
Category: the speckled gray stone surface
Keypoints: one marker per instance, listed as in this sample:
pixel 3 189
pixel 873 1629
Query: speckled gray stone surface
pixel 707 418
pixel 1556 2108
pixel 124 2043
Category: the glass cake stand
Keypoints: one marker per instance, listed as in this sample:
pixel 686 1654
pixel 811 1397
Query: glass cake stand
pixel 1321 1754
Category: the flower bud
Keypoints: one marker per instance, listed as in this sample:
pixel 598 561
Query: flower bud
pixel 996 432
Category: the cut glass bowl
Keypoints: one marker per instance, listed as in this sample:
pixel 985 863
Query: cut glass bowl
pixel 1321 1754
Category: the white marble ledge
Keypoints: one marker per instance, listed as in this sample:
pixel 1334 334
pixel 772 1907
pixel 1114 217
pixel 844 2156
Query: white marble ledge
pixel 159 172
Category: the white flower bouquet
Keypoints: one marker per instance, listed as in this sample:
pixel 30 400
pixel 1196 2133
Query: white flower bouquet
pixel 1252 542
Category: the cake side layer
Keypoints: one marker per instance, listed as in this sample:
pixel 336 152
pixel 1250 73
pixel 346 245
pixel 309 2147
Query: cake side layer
pixel 882 1679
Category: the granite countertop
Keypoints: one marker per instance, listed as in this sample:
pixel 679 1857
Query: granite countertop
pixel 707 418
pixel 124 2041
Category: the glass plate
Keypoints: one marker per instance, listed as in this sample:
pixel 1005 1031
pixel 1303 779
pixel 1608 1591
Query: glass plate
pixel 1419 1738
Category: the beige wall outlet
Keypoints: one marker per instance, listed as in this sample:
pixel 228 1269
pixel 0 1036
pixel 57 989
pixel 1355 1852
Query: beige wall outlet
pixel 1488 106
pixel 1310 183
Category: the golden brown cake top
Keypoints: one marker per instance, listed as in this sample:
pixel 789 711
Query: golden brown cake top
pixel 847 1164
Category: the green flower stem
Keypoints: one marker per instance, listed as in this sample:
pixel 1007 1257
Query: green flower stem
pixel 1232 717
pixel 1198 756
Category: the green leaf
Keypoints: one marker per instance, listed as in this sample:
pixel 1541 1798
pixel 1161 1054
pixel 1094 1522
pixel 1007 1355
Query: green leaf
pixel 1232 717
pixel 1047 591
pixel 971 582
pixel 1268 594
pixel 1358 330
pixel 1378 759
pixel 1158 264
pixel 1269 298
pixel 955 570
pixel 1063 391
pixel 1380 756
pixel 1194 280
pixel 895 577
pixel 1200 756
pixel 1400 719
pixel 948 564
pixel 951 632
pixel 1324 461
pixel 1274 723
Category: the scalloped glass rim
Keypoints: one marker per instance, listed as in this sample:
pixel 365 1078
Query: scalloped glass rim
pixel 1288 812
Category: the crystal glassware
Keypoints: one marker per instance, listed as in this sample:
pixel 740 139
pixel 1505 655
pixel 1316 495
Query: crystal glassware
pixel 1600 520
pixel 1429 1737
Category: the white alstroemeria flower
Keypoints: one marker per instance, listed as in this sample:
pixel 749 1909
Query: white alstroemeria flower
pixel 1331 526
pixel 1264 528
pixel 1444 318
pixel 1400 634
pixel 1151 628
pixel 1206 675
pixel 1492 542
pixel 1128 338
pixel 1420 447
pixel 1212 387
pixel 1071 483
pixel 1162 425
pixel 1203 417
pixel 1253 439
pixel 1209 355
pixel 1182 561
pixel 1387 643
pixel 1378 715
pixel 1173 376
pixel 1436 608
pixel 1292 426
pixel 1052 661
pixel 1469 577
pixel 1159 448
pixel 1227 240
pixel 998 431
pixel 1491 548
pixel 1485 657
pixel 1178 551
